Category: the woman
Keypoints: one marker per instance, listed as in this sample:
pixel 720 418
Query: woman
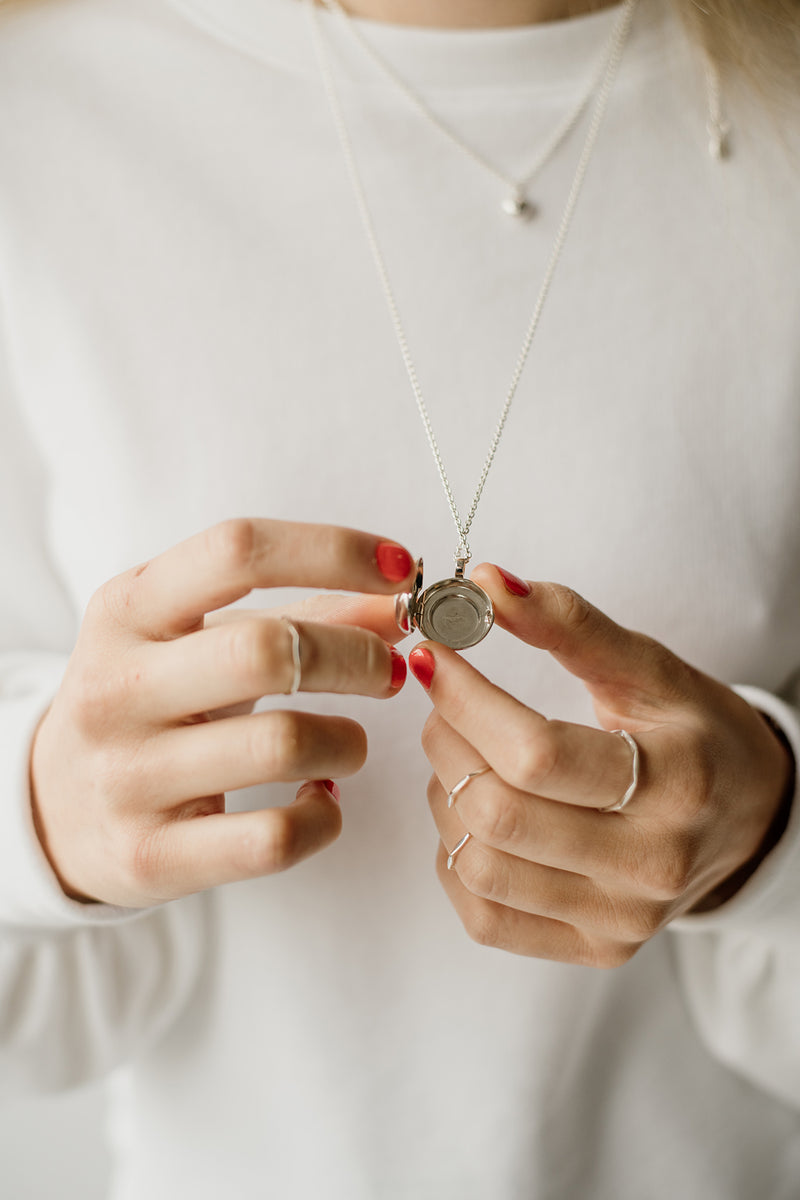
pixel 196 336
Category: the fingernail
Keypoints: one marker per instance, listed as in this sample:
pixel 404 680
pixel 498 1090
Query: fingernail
pixel 398 669
pixel 513 583
pixel 422 663
pixel 333 789
pixel 394 562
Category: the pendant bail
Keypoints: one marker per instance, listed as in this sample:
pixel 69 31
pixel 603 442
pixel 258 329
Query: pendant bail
pixel 462 557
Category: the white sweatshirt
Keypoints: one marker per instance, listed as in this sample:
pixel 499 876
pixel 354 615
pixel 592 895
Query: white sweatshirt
pixel 193 329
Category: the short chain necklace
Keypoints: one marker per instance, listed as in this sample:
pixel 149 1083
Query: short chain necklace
pixel 456 611
pixel 516 203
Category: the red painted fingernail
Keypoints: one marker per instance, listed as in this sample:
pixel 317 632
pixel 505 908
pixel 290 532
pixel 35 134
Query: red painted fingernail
pixel 513 583
pixel 398 669
pixel 422 663
pixel 333 789
pixel 393 561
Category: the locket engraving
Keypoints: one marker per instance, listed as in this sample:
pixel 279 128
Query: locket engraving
pixel 455 612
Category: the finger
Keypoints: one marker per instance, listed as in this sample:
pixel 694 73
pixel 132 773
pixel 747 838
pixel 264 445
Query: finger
pixel 190 856
pixel 170 595
pixel 552 834
pixel 503 928
pixel 244 660
pixel 562 896
pixel 591 905
pixel 607 657
pixel 574 764
pixel 220 756
pixel 365 611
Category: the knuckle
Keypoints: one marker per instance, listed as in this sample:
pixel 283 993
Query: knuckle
pixel 279 748
pixel 532 760
pixel 120 775
pixel 344 545
pixel 363 659
pixel 250 652
pixel 671 876
pixel 271 844
pixel 374 655
pixel 496 817
pixel 100 697
pixel 478 872
pixel 484 925
pixel 430 733
pixel 140 861
pixel 90 701
pixel 110 601
pixel 642 921
pixel 571 609
pixel 232 543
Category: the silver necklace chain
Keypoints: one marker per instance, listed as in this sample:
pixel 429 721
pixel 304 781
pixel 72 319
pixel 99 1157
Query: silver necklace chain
pixel 516 204
pixel 617 44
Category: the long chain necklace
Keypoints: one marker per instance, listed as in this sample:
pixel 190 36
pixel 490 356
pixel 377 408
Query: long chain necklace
pixel 456 611
pixel 516 202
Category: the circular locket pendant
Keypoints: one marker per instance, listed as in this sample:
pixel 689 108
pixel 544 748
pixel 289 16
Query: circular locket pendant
pixel 455 612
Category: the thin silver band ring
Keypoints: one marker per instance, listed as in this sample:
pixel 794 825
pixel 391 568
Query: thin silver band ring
pixel 634 783
pixel 455 791
pixel 296 663
pixel 451 858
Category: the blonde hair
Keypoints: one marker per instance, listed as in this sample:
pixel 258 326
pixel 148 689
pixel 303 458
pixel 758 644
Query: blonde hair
pixel 756 39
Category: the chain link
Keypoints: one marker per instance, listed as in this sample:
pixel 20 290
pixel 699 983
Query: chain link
pixel 613 55
pixel 517 186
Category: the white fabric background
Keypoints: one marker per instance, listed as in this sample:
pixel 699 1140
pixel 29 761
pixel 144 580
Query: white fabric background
pixel 54 1146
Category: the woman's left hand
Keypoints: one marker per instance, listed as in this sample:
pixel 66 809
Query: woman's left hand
pixel 544 873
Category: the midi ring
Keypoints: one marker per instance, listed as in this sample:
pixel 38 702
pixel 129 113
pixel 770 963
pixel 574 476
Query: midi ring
pixel 462 783
pixel 451 858
pixel 634 783
pixel 296 663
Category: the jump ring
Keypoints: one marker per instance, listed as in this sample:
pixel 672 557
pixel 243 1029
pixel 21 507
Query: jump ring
pixel 451 858
pixel 296 663
pixel 634 783
pixel 462 783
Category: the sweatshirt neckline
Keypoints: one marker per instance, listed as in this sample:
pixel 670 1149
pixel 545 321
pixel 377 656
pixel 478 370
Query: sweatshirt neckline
pixel 552 55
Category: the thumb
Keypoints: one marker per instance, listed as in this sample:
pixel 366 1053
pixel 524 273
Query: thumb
pixel 615 663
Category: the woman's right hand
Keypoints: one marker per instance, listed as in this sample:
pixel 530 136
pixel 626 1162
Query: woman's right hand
pixel 130 764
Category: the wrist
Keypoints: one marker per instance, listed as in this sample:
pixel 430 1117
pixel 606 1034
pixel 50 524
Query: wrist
pixel 729 886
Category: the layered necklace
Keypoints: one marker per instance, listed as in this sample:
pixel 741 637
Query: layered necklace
pixel 455 611
pixel 516 201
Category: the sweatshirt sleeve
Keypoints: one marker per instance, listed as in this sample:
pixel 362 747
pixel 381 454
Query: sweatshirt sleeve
pixel 740 964
pixel 82 987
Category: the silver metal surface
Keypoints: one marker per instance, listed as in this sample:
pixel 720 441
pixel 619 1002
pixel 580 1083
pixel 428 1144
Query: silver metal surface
pixel 458 788
pixel 455 612
pixel 623 733
pixel 296 662
pixel 451 858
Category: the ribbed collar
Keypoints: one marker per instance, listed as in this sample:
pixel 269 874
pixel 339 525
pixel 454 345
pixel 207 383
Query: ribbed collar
pixel 549 55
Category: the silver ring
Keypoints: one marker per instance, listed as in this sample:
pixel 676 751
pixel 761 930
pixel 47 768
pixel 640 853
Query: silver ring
pixel 634 783
pixel 451 858
pixel 296 664
pixel 462 783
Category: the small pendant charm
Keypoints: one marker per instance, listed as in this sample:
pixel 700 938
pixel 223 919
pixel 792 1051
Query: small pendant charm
pixel 455 612
pixel 518 205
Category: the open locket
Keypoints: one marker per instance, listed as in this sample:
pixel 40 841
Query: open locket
pixel 455 612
